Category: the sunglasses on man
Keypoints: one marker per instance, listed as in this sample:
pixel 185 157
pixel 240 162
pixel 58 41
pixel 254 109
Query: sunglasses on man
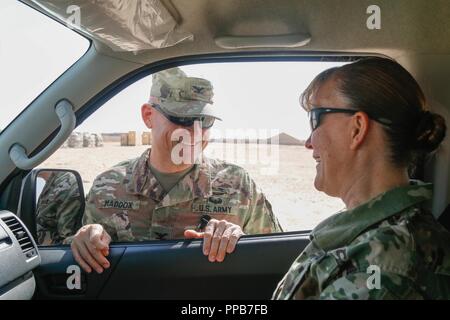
pixel 316 113
pixel 206 122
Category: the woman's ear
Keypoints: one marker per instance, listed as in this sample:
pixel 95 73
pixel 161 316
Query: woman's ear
pixel 147 114
pixel 359 128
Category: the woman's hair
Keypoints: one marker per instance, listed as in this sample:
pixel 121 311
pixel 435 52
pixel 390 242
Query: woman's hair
pixel 385 90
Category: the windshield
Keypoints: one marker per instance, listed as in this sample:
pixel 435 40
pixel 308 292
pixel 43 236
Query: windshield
pixel 34 51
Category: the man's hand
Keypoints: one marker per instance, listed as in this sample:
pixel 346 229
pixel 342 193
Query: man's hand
pixel 220 237
pixel 90 246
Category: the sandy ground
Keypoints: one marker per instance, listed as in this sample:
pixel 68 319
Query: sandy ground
pixel 285 174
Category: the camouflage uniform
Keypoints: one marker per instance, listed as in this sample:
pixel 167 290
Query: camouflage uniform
pixel 58 209
pixel 132 205
pixel 393 232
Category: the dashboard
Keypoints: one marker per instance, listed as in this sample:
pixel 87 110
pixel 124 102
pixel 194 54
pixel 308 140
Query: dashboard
pixel 19 256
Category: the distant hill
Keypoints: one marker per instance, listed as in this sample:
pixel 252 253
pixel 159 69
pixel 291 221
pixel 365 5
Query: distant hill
pixel 285 139
pixel 282 139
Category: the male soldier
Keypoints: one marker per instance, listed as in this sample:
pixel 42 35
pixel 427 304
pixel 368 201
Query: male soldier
pixel 58 208
pixel 172 190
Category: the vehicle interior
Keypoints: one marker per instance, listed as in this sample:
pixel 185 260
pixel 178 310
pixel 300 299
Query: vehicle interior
pixel 413 32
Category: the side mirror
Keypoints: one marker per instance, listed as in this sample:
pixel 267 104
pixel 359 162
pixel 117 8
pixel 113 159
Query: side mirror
pixel 52 204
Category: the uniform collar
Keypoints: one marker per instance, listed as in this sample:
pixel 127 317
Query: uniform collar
pixel 343 227
pixel 196 183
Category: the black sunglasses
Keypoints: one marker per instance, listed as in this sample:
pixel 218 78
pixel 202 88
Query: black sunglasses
pixel 315 114
pixel 206 122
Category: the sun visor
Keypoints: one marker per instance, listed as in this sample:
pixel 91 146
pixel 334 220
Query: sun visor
pixel 122 25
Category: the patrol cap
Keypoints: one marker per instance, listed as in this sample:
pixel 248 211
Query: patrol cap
pixel 181 96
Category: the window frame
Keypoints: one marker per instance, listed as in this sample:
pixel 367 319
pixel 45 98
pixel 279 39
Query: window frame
pixel 103 96
pixel 129 79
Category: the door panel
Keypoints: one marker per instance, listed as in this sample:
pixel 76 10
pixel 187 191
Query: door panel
pixel 51 276
pixel 176 270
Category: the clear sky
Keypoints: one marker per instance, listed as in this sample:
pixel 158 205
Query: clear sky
pixel 34 51
pixel 263 96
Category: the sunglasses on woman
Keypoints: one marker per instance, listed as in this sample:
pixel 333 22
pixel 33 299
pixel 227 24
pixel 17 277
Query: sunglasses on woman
pixel 206 122
pixel 315 115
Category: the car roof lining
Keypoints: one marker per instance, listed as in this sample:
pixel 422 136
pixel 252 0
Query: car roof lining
pixel 130 26
pixel 407 26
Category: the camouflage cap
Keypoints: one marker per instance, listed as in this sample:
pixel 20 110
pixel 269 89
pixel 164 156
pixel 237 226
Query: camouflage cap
pixel 182 96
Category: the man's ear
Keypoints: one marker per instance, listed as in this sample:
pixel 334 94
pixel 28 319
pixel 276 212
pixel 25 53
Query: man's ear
pixel 359 129
pixel 147 114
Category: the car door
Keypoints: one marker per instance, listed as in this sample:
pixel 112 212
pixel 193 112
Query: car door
pixel 172 270
pixel 160 269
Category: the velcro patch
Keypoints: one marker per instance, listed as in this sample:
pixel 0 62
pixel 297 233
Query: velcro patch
pixel 212 208
pixel 120 204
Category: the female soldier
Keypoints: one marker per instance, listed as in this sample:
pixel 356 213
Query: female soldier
pixel 369 121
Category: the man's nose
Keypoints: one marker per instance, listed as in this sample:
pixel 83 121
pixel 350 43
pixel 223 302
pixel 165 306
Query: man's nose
pixel 197 127
pixel 308 144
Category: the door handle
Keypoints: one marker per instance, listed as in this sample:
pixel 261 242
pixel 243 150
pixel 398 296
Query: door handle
pixel 57 284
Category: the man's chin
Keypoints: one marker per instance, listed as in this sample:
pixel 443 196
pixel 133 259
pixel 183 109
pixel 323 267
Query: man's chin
pixel 318 184
pixel 190 154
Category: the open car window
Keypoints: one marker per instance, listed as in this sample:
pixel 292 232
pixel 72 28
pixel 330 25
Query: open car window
pixel 32 55
pixel 263 130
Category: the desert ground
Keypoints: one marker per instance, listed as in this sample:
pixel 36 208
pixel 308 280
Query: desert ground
pixel 284 173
